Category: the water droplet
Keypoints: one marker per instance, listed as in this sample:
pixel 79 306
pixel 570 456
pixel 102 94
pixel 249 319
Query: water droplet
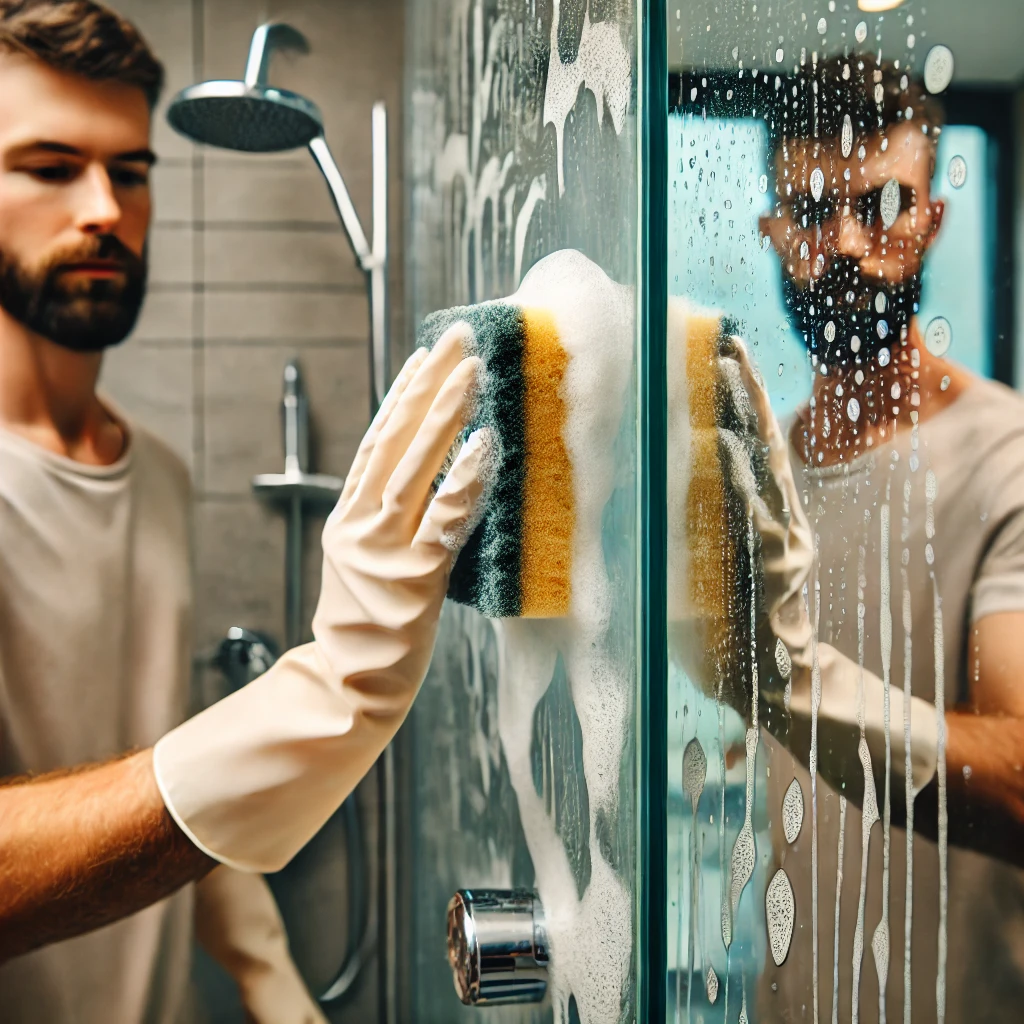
pixel 860 33
pixel 822 26
pixel 938 68
pixel 847 136
pixel 780 369
pixel 929 554
pixel 882 329
pixel 792 811
pixel 762 183
pixel 895 390
pixel 883 357
pixel 879 93
pixel 957 172
pixel 695 771
pixel 805 251
pixel 817 183
pixel 881 302
pixel 780 55
pixel 711 981
pixel 830 332
pixel 889 204
pixel 967 772
pixel 859 377
pixel 855 344
pixel 938 336
pixel 853 409
pixel 910 41
pixel 944 383
pixel 780 910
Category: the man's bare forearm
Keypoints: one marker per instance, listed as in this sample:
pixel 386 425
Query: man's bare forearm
pixel 80 850
pixel 985 786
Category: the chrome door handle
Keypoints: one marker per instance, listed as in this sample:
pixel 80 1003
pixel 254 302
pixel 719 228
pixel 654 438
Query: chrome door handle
pixel 497 946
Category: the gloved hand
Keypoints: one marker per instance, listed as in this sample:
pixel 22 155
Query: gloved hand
pixel 239 925
pixel 251 779
pixel 850 700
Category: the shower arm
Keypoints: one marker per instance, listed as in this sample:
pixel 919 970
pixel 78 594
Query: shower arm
pixel 372 260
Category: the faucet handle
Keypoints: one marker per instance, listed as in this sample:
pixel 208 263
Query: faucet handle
pixel 497 946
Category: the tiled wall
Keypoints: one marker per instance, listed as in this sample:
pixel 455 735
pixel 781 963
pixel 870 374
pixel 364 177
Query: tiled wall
pixel 249 267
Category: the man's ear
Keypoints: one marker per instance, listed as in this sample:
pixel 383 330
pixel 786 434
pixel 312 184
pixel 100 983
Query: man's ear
pixel 938 212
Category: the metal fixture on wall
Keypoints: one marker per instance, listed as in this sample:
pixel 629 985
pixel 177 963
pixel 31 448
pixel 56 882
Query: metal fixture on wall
pixel 253 116
pixel 295 489
pixel 497 946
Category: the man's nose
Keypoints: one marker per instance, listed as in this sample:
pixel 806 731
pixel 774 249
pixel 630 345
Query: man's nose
pixel 852 238
pixel 98 211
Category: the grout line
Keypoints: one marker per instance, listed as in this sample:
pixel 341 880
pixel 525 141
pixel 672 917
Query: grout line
pixel 299 227
pixel 199 270
pixel 258 342
pixel 246 287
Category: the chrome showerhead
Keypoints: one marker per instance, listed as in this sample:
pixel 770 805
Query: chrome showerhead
pixel 250 115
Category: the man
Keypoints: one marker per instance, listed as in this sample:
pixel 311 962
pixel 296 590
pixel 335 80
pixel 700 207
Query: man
pixel 910 472
pixel 94 589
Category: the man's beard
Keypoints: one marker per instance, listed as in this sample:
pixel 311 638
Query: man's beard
pixel 843 315
pixel 78 313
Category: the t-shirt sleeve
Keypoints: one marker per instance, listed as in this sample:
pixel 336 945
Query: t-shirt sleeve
pixel 999 585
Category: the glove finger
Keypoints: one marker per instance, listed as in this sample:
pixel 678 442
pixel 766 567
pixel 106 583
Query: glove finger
pixel 409 487
pixel 459 504
pixel 400 383
pixel 400 430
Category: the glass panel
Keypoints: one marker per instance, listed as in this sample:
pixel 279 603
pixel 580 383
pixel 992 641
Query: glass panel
pixel 521 142
pixel 846 587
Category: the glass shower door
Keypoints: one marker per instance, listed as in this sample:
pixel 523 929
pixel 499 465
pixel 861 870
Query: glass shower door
pixel 846 572
pixel 521 755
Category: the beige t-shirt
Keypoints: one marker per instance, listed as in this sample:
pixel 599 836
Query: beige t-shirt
pixel 95 643
pixel 957 536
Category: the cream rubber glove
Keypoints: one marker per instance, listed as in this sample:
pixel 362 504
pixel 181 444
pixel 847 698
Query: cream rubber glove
pixel 812 672
pixel 252 778
pixel 238 924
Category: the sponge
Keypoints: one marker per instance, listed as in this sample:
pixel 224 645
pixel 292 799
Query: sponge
pixel 557 360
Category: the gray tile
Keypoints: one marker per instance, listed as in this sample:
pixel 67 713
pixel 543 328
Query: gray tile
pixel 171 255
pixel 172 192
pixel 239 579
pixel 166 317
pixel 286 316
pixel 236 256
pixel 242 397
pixel 155 387
pixel 267 191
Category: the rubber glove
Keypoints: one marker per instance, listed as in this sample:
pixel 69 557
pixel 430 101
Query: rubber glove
pixel 239 925
pixel 850 700
pixel 252 778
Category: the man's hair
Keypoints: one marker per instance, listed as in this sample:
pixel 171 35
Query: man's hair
pixel 81 37
pixel 875 95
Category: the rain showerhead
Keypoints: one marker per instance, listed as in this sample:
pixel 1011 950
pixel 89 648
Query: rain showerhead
pixel 251 118
pixel 250 115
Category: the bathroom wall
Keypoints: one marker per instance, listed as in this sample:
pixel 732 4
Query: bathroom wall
pixel 250 267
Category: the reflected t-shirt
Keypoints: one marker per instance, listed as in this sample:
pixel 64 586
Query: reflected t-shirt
pixel 955 493
pixel 95 644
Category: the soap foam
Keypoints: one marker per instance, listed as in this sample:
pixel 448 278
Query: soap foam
pixel 591 936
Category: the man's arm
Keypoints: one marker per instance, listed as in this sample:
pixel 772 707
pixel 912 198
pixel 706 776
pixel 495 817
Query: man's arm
pixel 80 850
pixel 985 747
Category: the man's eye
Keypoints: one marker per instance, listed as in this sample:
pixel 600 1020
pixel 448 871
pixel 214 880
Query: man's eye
pixel 127 178
pixel 53 172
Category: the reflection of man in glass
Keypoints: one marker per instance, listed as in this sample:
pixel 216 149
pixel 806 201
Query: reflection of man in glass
pixel 911 474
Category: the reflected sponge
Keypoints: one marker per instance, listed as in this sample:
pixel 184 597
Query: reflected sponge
pixel 557 358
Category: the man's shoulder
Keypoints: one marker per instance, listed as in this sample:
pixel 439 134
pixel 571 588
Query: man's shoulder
pixel 154 458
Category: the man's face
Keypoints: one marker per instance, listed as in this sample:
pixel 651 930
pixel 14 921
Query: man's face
pixel 851 233
pixel 74 203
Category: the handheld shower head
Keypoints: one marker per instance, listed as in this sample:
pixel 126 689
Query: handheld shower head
pixel 250 115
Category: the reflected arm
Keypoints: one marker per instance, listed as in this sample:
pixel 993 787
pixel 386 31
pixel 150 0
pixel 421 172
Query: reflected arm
pixel 985 747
